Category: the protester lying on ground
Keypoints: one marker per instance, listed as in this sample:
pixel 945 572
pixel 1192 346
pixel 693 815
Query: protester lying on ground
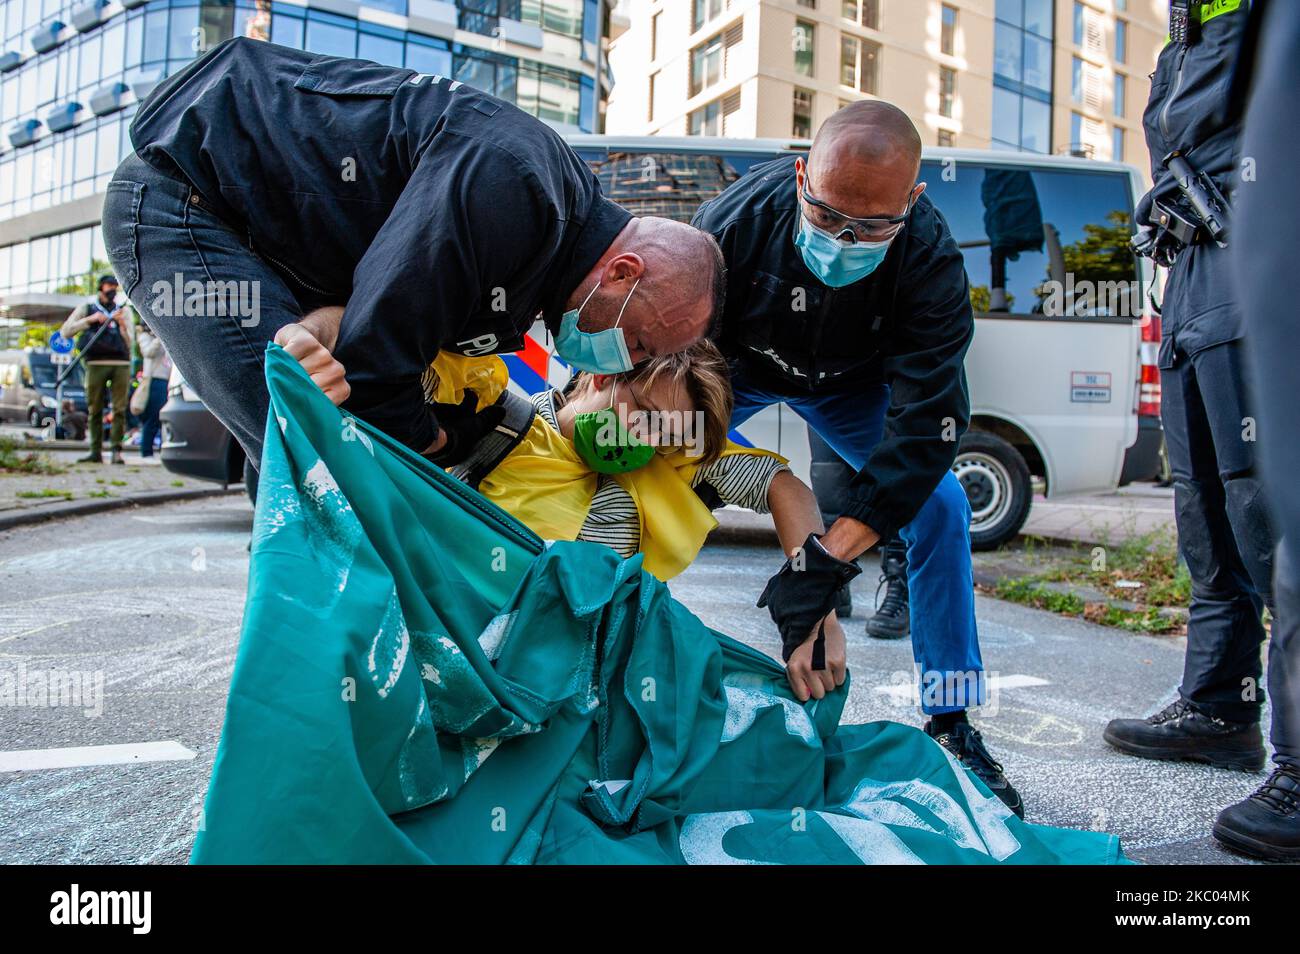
pixel 636 462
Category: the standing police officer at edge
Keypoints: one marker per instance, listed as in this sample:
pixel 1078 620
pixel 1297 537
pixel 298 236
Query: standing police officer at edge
pixel 376 216
pixel 1224 527
pixel 848 301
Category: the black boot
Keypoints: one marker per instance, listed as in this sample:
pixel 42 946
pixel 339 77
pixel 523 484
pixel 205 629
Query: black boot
pixel 1266 825
pixel 966 744
pixel 1182 733
pixel 892 619
pixel 94 457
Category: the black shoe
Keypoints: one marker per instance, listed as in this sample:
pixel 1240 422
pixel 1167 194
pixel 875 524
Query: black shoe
pixel 844 603
pixel 966 744
pixel 1267 824
pixel 1182 733
pixel 91 458
pixel 116 458
pixel 892 619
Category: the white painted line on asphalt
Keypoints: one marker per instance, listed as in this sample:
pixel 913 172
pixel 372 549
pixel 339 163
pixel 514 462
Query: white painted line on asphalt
pixel 991 684
pixel 32 760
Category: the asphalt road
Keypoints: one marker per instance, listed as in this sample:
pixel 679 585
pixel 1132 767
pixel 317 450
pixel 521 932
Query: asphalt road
pixel 152 599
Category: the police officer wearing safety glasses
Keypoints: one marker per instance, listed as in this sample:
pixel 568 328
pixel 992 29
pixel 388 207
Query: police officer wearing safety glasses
pixel 848 301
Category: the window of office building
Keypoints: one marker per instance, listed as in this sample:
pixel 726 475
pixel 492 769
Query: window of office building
pixel 1121 94
pixel 565 17
pixel 803 107
pixel 859 63
pixel 706 64
pixel 704 11
pixel 1079 20
pixel 947 91
pixel 863 12
pixel 945 137
pixel 948 31
pixel 654 36
pixel 483 16
pixel 711 119
pixel 1121 41
pixel 1022 75
pixel 1076 134
pixel 1076 80
pixel 650 100
pixel 810 4
pixel 804 39
pixel 1117 144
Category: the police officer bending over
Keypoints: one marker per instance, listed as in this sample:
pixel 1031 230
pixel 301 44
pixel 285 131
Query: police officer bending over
pixel 848 301
pixel 367 217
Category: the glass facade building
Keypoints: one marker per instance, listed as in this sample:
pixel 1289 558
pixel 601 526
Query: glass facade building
pixel 72 71
pixel 1022 75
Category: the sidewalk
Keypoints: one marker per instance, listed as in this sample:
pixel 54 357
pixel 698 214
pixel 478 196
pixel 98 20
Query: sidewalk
pixel 1108 518
pixel 89 488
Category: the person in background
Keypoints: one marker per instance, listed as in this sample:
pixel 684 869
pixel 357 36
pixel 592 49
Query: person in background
pixel 74 422
pixel 102 329
pixel 157 370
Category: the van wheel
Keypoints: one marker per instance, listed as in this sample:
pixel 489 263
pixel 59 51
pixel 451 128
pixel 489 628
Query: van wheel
pixel 996 480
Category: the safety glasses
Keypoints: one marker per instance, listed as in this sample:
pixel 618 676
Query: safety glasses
pixel 836 223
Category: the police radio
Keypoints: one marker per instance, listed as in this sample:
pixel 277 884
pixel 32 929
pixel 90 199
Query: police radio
pixel 1184 21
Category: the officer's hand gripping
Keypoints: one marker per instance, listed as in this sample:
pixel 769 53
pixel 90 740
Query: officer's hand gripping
pixel 802 594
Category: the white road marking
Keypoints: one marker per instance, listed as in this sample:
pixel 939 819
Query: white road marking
pixel 992 684
pixel 32 760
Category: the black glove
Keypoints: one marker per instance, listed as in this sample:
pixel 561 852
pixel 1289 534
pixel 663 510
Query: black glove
pixel 464 426
pixel 801 595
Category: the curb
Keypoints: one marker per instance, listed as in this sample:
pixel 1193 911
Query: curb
pixel 82 508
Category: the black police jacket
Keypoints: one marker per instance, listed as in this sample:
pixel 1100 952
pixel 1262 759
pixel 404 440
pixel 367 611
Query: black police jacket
pixel 442 217
pixel 908 325
pixel 1191 110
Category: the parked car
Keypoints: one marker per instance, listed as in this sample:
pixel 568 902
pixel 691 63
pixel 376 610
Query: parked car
pixel 196 444
pixel 28 386
pixel 1062 374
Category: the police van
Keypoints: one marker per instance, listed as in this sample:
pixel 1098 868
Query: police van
pixel 1062 370
pixel 1062 374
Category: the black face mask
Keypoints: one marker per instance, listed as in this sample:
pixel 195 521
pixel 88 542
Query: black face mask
pixel 107 298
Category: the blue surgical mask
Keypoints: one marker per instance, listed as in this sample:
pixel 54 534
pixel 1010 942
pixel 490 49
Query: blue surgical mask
pixel 600 352
pixel 834 263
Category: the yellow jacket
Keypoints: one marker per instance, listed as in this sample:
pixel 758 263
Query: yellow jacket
pixel 545 484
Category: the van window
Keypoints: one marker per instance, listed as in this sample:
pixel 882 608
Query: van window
pixel 670 185
pixel 1041 242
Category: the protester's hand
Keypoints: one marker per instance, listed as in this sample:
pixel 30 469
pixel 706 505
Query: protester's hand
pixel 316 360
pixel 806 681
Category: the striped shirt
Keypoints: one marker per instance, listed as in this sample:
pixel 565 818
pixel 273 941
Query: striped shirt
pixel 739 479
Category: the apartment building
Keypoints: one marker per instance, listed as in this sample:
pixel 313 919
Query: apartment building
pixel 1047 76
pixel 73 71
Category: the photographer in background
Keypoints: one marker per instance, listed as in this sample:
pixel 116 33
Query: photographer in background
pixel 102 329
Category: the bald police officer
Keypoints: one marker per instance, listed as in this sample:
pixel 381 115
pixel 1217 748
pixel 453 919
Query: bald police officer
pixel 368 217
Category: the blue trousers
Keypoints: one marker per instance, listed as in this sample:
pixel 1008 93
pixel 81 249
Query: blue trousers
pixel 945 641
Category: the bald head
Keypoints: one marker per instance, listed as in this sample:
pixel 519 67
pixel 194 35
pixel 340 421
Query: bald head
pixel 865 160
pixel 680 279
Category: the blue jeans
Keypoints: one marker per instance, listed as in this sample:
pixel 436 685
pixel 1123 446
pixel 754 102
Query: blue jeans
pixel 150 425
pixel 212 301
pixel 945 641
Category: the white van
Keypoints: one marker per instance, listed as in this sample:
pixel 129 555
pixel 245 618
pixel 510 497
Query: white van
pixel 1057 370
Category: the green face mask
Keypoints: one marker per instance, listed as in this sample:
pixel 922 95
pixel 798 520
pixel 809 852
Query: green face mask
pixel 605 444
